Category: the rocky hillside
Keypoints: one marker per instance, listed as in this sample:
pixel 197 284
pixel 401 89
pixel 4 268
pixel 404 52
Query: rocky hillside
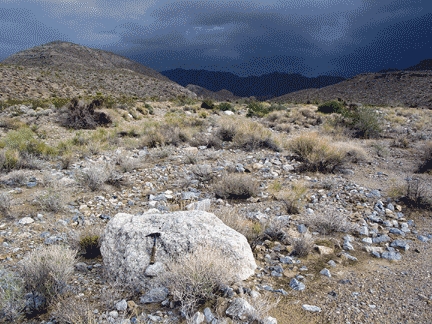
pixel 202 93
pixel 397 88
pixel 62 69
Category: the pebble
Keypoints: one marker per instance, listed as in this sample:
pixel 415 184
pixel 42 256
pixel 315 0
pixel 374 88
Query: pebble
pixel 26 221
pixel 325 272
pixel 311 308
pixel 297 285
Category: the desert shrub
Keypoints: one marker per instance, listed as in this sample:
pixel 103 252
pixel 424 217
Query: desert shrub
pixel 72 310
pixel 94 177
pixel 331 107
pixel 83 116
pixel 302 245
pixel 364 122
pixel 236 186
pixel 257 109
pixel 46 273
pixel 224 106
pixel 418 193
pixel 196 278
pixel 202 172
pixel 51 200
pixel 251 136
pixel 316 153
pixel 207 104
pixel 11 297
pixel 226 132
pixel 15 178
pixel 329 222
pixel 292 198
pixel 426 164
pixel 5 205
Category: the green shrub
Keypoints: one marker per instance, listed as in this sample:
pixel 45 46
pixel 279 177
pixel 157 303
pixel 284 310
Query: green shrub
pixel 331 107
pixel 364 122
pixel 224 106
pixel 256 109
pixel 23 140
pixel 89 244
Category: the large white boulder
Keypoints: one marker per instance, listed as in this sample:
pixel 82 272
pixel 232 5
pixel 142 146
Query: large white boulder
pixel 128 242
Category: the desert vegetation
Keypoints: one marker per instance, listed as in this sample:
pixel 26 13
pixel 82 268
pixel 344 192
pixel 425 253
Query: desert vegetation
pixel 295 180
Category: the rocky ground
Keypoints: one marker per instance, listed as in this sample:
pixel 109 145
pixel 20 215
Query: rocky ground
pixel 374 269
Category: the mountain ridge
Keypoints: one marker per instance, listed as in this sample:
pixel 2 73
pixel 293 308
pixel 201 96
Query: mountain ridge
pixel 263 87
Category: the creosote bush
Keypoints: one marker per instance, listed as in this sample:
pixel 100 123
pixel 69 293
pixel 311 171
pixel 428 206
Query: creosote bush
pixel 236 186
pixel 330 107
pixel 316 153
pixel 196 278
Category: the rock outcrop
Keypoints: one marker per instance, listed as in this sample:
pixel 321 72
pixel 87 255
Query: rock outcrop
pixel 127 245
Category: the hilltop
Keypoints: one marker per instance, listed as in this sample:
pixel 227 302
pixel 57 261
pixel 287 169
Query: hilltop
pixel 65 70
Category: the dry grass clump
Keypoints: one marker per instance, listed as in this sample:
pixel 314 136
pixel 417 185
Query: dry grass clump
pixel 426 164
pixel 353 153
pixel 231 217
pixel 46 273
pixel 165 134
pixel 292 198
pixel 235 186
pixel 329 222
pixel 302 245
pixel 252 136
pixel 196 278
pixel 95 176
pixel 5 205
pixel 316 153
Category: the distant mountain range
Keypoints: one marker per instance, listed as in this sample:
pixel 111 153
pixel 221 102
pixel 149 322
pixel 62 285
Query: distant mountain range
pixel 262 87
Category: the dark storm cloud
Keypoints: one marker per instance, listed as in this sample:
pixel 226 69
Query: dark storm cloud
pixel 21 29
pixel 245 37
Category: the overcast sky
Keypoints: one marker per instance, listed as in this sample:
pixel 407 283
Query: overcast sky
pixel 311 37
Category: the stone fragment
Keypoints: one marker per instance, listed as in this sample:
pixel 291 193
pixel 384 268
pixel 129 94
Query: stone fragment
pixel 297 285
pixel 155 295
pixel 311 308
pixel 240 309
pixel 325 272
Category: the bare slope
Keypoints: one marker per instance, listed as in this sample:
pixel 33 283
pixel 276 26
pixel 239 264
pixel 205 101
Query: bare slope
pixel 401 88
pixel 65 69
